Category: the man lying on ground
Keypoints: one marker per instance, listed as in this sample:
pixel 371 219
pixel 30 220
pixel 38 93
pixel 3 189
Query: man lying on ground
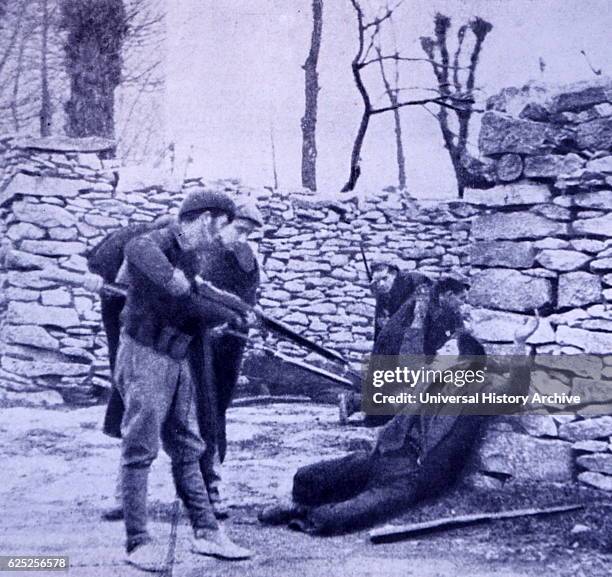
pixel 415 456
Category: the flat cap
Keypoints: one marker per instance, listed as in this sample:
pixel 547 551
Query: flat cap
pixel 201 199
pixel 247 209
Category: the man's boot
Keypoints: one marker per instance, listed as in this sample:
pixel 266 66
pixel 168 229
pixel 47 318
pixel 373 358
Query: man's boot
pixel 280 514
pixel 216 543
pixel 141 551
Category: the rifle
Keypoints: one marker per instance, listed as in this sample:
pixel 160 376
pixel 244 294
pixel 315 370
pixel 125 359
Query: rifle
pixel 364 258
pixel 236 304
pixel 208 291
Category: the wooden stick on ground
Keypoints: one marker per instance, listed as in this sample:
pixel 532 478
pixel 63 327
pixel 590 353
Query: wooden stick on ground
pixel 391 533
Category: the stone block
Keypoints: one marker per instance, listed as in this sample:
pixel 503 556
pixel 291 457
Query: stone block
pixel 20 260
pixel 30 335
pixel 577 289
pixel 590 446
pixel 506 289
pixel 602 164
pixel 595 135
pixel 553 212
pixel 44 215
pixel 601 265
pixel 598 463
pixel 577 100
pixel 100 221
pixel 562 260
pixel 29 368
pixel 500 134
pixel 57 297
pixel 552 165
pixel 29 280
pixel 23 230
pixel 587 429
pixel 500 326
pixel 518 225
pixel 593 390
pixel 538 425
pixel 599 199
pixel 600 226
pixel 63 233
pixel 597 480
pixel 53 247
pixel 27 185
pixel 587 245
pixel 20 313
pixel 598 343
pixel 526 457
pixel 518 193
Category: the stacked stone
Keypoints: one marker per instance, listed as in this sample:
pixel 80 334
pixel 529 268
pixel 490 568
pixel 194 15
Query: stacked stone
pixel 59 204
pixel 62 201
pixel 543 239
pixel 316 279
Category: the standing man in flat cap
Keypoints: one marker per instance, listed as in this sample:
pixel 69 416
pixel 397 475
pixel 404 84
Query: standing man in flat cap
pixel 232 266
pixel 392 288
pixel 162 316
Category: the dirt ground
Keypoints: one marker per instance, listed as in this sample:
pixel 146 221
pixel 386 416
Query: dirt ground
pixel 58 472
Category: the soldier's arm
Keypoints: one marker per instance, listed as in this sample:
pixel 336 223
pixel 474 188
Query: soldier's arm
pixel 147 256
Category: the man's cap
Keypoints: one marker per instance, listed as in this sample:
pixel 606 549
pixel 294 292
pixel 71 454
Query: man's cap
pixel 202 199
pixel 247 209
pixel 380 260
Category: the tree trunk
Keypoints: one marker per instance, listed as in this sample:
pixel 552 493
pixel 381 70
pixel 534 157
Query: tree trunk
pixel 399 149
pixel 399 144
pixel 96 30
pixel 46 111
pixel 311 89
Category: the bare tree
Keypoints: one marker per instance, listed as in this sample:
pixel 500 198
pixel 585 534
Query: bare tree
pixel 311 89
pixel 368 34
pixel 96 31
pixel 453 85
pixel 392 89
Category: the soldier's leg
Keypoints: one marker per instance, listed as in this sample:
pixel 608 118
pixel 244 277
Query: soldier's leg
pixel 373 505
pixel 143 378
pixel 185 447
pixel 332 480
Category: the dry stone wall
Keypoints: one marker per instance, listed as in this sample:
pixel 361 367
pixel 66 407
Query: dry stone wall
pixel 543 239
pixel 60 202
pixel 540 238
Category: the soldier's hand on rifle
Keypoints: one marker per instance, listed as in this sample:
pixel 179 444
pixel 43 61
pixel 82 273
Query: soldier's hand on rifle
pixel 93 283
pixel 179 285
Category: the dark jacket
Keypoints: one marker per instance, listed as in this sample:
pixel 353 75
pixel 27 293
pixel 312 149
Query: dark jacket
pixel 401 291
pixel 152 315
pixel 234 270
pixel 105 259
